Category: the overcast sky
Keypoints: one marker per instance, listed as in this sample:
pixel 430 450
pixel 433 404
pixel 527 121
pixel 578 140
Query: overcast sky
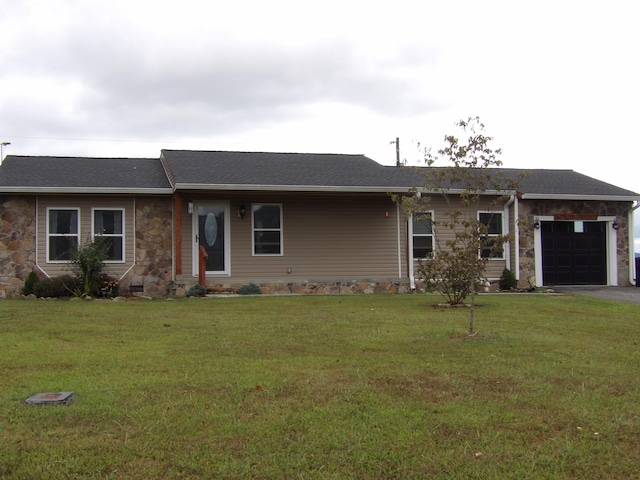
pixel 557 83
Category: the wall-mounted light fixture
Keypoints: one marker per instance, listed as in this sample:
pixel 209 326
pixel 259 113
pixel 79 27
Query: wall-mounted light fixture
pixel 536 223
pixel 615 225
pixel 242 210
pixel 190 207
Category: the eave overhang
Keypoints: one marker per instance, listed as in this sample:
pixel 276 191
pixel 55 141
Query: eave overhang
pixel 460 191
pixel 88 190
pixel 291 188
pixel 606 198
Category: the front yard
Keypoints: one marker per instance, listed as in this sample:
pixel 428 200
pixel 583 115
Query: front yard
pixel 380 386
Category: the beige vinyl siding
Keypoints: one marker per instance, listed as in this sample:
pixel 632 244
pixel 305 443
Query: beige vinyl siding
pixel 442 234
pixel 85 205
pixel 325 238
pixel 187 238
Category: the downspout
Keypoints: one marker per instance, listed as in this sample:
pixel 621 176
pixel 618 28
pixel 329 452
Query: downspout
pixel 409 230
pixel 412 278
pixel 632 261
pixel 124 275
pixel 513 200
pixel 399 240
pixel 35 240
pixel 176 236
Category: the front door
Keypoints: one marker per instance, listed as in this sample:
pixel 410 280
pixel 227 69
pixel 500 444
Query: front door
pixel 210 228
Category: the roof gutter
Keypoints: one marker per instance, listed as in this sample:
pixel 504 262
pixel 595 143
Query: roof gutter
pixel 458 191
pixel 292 188
pixel 513 200
pixel 610 198
pixel 87 190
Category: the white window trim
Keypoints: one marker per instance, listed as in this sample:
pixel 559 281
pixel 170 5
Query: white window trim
pixel 432 234
pixel 49 234
pixel 501 213
pixel 254 230
pixel 109 235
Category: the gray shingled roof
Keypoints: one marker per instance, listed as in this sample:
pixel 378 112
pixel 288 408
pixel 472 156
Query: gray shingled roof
pixel 81 174
pixel 565 182
pixel 547 183
pixel 197 169
pixel 185 169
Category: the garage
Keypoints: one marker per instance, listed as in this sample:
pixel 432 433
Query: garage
pixel 574 252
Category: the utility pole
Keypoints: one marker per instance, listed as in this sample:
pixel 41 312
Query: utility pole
pixel 2 145
pixel 397 142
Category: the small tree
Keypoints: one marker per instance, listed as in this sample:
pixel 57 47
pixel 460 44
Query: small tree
pixel 87 263
pixel 459 261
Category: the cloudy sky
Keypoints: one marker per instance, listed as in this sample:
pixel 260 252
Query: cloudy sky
pixel 557 83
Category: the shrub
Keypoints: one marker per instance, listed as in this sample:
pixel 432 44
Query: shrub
pixel 250 289
pixel 30 283
pixel 87 264
pixel 63 286
pixel 196 291
pixel 508 280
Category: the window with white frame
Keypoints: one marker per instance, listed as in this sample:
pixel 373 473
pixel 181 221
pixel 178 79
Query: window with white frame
pixel 494 228
pixel 422 223
pixel 108 225
pixel 62 233
pixel 267 228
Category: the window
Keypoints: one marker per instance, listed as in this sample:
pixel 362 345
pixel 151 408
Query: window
pixel 422 234
pixel 493 223
pixel 267 229
pixel 62 233
pixel 108 224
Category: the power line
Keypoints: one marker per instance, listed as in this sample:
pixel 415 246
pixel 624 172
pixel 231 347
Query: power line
pixel 114 140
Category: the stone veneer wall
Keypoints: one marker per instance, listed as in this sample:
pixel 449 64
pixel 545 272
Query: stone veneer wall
pixel 152 272
pixel 529 209
pixel 17 242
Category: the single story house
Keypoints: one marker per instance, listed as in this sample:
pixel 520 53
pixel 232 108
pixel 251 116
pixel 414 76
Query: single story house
pixel 290 222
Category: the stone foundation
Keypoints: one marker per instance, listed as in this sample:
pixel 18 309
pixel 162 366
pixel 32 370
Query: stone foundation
pixel 310 288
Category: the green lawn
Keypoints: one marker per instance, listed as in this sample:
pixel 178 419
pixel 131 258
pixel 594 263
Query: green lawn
pixel 322 387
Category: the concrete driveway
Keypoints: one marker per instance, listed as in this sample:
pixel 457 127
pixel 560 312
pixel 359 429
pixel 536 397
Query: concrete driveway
pixel 620 294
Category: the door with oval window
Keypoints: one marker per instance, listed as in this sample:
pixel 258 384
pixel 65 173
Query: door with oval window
pixel 210 228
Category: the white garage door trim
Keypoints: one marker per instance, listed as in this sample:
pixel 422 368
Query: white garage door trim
pixel 612 250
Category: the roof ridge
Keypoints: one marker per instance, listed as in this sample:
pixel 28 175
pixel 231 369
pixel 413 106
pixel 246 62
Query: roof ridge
pixel 264 152
pixel 75 157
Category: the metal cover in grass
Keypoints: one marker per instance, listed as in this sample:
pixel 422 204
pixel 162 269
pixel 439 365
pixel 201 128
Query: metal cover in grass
pixel 51 398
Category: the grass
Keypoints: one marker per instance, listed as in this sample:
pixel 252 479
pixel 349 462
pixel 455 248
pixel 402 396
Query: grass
pixel 360 387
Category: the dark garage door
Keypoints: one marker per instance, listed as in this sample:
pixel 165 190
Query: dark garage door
pixel 574 258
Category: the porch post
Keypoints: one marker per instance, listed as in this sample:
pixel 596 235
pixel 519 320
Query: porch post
pixel 202 266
